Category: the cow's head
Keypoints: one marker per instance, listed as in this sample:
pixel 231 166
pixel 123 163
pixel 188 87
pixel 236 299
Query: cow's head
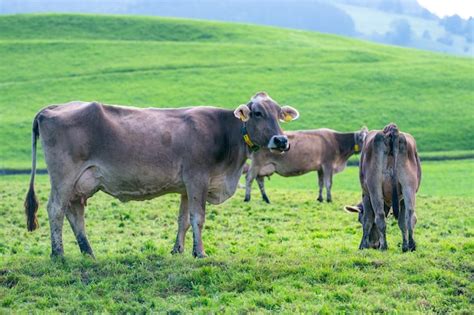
pixel 261 116
pixel 374 234
pixel 359 138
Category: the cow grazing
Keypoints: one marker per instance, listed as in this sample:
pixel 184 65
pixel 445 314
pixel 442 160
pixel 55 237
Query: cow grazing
pixel 323 150
pixel 390 175
pixel 137 154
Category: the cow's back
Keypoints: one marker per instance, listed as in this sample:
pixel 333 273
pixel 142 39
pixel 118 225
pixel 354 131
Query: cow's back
pixel 134 153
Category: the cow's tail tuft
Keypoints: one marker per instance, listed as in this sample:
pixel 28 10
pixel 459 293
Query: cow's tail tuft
pixel 31 202
pixel 391 131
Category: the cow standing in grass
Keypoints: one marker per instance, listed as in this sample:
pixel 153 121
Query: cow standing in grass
pixel 390 175
pixel 136 154
pixel 323 150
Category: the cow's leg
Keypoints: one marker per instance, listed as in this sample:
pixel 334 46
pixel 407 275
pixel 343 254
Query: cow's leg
pixel 379 214
pixel 261 185
pixel 367 222
pixel 56 220
pixel 183 225
pixel 328 182
pixel 320 184
pixel 197 192
pixel 75 216
pixel 249 177
pixel 410 216
pixel 402 224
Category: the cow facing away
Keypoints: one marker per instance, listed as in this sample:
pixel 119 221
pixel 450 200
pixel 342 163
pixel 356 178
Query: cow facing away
pixel 390 175
pixel 323 150
pixel 137 154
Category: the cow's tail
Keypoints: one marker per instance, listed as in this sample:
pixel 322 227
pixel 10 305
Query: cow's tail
pixel 31 202
pixel 392 132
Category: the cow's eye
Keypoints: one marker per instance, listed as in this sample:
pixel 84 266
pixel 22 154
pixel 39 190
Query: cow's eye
pixel 258 114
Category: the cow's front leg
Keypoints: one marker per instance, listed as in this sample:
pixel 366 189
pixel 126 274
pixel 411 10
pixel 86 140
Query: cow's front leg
pixel 197 193
pixel 249 177
pixel 183 225
pixel 328 182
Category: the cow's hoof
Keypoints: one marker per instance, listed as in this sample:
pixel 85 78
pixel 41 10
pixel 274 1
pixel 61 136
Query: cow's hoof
pixel 383 247
pixel 177 249
pixel 320 199
pixel 265 198
pixel 57 257
pixel 246 199
pixel 199 255
pixel 329 200
pixel 412 246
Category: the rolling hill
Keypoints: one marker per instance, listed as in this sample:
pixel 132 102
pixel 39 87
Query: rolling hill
pixel 334 81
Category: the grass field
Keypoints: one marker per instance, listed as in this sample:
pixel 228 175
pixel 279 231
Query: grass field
pixel 333 81
pixel 294 255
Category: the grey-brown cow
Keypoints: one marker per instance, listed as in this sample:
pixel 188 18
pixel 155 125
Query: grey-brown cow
pixel 323 150
pixel 390 175
pixel 136 154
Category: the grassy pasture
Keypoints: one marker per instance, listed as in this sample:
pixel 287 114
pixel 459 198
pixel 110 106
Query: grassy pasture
pixel 294 255
pixel 333 81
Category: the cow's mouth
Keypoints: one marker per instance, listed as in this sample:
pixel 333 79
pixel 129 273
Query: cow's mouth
pixel 280 150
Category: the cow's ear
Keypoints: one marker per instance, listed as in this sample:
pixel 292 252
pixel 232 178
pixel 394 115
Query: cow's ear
pixel 242 112
pixel 288 113
pixel 352 209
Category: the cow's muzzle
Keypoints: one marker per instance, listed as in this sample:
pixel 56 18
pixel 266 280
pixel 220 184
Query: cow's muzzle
pixel 279 143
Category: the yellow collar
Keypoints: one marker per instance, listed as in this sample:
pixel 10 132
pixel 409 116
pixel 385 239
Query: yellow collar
pixel 253 147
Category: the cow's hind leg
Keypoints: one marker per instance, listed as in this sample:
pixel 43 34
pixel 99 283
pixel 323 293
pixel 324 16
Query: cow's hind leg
pixel 261 185
pixel 367 222
pixel 75 216
pixel 320 184
pixel 56 220
pixel 402 224
pixel 379 213
pixel 410 216
pixel 183 225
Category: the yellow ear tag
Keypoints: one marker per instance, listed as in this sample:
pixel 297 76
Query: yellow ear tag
pixel 241 116
pixel 356 148
pixel 288 118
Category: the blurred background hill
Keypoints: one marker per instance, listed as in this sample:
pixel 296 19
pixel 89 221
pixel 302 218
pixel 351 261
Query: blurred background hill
pixel 396 22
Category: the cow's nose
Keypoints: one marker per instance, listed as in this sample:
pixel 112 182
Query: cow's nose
pixel 278 142
pixel 281 141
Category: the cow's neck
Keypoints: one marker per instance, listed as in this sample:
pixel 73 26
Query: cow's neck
pixel 346 143
pixel 239 147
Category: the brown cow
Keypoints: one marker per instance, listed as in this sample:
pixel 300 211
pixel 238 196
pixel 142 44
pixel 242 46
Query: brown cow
pixel 390 175
pixel 136 154
pixel 323 150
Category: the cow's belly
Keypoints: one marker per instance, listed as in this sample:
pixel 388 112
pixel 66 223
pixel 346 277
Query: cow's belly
pixel 127 184
pixel 289 170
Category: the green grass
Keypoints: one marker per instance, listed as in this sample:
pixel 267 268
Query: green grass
pixel 294 255
pixel 333 81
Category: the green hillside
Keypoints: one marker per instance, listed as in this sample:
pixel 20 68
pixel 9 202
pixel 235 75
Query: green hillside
pixel 333 81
